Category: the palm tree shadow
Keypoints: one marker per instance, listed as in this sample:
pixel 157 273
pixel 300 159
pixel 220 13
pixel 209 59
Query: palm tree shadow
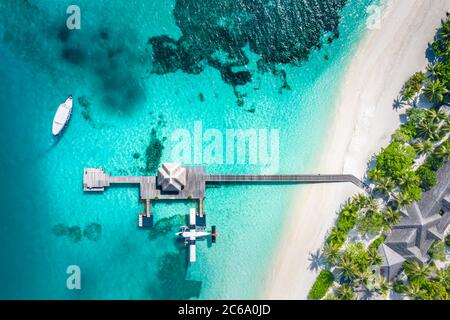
pixel 398 103
pixel 317 260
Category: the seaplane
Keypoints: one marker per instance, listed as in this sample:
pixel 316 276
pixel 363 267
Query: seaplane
pixel 195 232
pixel 62 116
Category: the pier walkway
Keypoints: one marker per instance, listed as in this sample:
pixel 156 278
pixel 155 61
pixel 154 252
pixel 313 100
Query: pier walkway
pixel 191 183
pixel 294 178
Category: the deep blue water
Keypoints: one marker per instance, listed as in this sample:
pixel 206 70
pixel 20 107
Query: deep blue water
pixel 128 104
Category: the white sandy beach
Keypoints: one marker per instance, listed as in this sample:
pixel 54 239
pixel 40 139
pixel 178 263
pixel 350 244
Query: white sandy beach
pixel 363 122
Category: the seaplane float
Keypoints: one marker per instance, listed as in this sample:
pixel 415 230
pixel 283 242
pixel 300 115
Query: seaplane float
pixel 195 231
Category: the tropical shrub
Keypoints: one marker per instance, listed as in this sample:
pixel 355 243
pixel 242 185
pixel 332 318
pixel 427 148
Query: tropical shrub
pixel 437 251
pixel 377 242
pixel 336 237
pixel 435 91
pixel 345 223
pixel 413 86
pixel 434 162
pixel 411 193
pixel 402 135
pixel 443 276
pixel 428 178
pixel 395 159
pixel 321 285
pixel 433 290
pixel 416 273
pixel 399 286
pixel 345 292
pixel 371 224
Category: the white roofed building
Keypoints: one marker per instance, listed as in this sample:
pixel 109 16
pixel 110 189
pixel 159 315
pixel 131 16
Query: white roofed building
pixel 171 177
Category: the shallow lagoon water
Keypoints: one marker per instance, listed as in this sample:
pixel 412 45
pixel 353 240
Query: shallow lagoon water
pixel 118 102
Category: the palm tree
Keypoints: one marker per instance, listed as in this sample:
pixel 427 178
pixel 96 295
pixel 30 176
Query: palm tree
pixel 433 69
pixel 391 216
pixel 444 32
pixel 385 185
pixel 375 174
pixel 346 267
pixel 345 292
pixel 331 253
pixel 401 199
pixel 371 205
pixel 349 208
pixel 414 291
pixel 383 286
pixel 374 257
pixel 443 276
pixel 428 130
pixel 360 200
pixel 408 178
pixel 336 236
pixel 435 91
pixel 416 272
pixel 423 148
pixel 445 129
pixel 443 152
pixel 362 277
pixel 435 115
pixel 408 94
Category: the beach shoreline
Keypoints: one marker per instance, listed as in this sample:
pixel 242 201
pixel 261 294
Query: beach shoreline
pixel 362 123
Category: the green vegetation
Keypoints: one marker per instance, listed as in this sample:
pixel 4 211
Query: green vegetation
pixel 428 178
pixel 321 285
pixel 377 242
pixel 394 161
pixel 413 86
pixel 447 240
pixel 437 251
pixel 401 172
pixel 345 222
pixel 424 284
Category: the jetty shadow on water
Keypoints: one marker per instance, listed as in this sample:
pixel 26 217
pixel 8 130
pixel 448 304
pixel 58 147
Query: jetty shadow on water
pixel 172 273
pixel 172 282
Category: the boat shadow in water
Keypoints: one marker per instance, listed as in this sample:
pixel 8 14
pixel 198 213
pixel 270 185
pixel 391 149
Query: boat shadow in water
pixel 55 141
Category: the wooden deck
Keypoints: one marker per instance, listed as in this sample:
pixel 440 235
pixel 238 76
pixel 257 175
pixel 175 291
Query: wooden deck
pixel 96 179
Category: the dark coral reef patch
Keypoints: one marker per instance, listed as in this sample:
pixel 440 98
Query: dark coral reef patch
pixel 215 33
pixel 92 232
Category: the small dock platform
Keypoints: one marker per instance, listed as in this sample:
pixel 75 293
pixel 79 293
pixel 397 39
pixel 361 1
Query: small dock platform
pixel 95 179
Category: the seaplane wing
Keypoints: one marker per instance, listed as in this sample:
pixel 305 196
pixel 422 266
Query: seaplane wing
pixel 192 218
pixel 192 251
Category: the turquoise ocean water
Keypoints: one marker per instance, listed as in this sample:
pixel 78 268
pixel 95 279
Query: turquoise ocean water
pixel 121 110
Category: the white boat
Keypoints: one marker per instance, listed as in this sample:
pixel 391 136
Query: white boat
pixel 62 116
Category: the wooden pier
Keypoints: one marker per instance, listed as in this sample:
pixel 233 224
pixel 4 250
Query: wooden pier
pixel 285 178
pixel 195 183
